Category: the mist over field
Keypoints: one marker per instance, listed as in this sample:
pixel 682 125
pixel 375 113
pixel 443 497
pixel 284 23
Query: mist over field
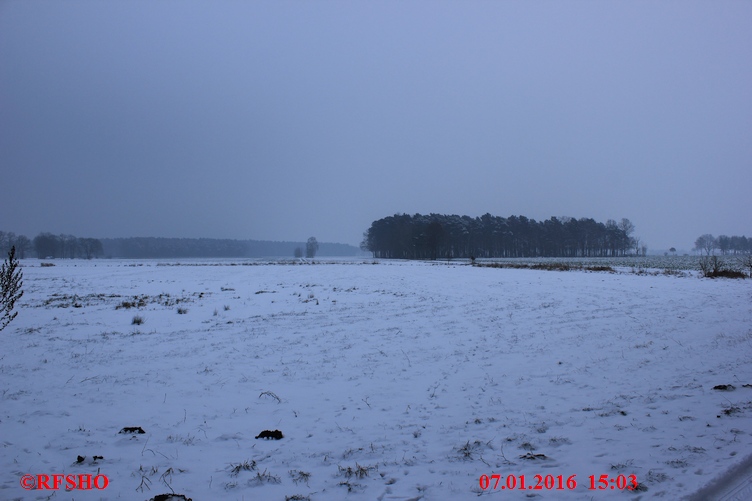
pixel 281 120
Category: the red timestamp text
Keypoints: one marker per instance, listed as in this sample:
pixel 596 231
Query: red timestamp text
pixel 555 482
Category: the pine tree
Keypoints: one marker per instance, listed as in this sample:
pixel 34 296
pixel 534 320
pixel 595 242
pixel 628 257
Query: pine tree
pixel 10 288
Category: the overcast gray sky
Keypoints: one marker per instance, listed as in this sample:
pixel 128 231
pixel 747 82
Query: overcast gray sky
pixel 279 120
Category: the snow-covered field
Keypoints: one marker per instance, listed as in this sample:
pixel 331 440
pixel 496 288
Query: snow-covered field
pixel 388 381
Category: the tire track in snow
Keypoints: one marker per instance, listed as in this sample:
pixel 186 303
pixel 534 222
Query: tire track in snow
pixel 734 485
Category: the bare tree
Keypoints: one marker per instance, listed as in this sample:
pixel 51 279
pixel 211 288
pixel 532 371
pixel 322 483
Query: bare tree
pixel 705 243
pixel 90 247
pixel 23 245
pixel 723 242
pixel 312 247
pixel 6 241
pixel 68 246
pixel 635 241
pixel 46 245
pixel 741 245
pixel 626 226
pixel 10 288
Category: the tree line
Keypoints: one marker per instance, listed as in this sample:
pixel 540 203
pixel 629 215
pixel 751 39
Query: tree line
pixel 735 245
pixel 47 245
pixel 160 247
pixel 433 236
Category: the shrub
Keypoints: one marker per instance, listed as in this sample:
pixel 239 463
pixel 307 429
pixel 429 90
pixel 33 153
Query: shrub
pixel 138 302
pixel 600 268
pixel 246 465
pixel 137 320
pixel 712 267
pixel 746 262
pixel 727 274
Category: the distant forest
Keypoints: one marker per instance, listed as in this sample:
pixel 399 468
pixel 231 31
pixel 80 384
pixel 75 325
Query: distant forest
pixel 433 236
pixel 143 247
pixel 48 245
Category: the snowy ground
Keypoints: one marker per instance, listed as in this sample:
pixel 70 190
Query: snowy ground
pixel 389 381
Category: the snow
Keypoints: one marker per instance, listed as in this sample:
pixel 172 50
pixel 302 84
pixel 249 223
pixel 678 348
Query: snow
pixel 389 381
